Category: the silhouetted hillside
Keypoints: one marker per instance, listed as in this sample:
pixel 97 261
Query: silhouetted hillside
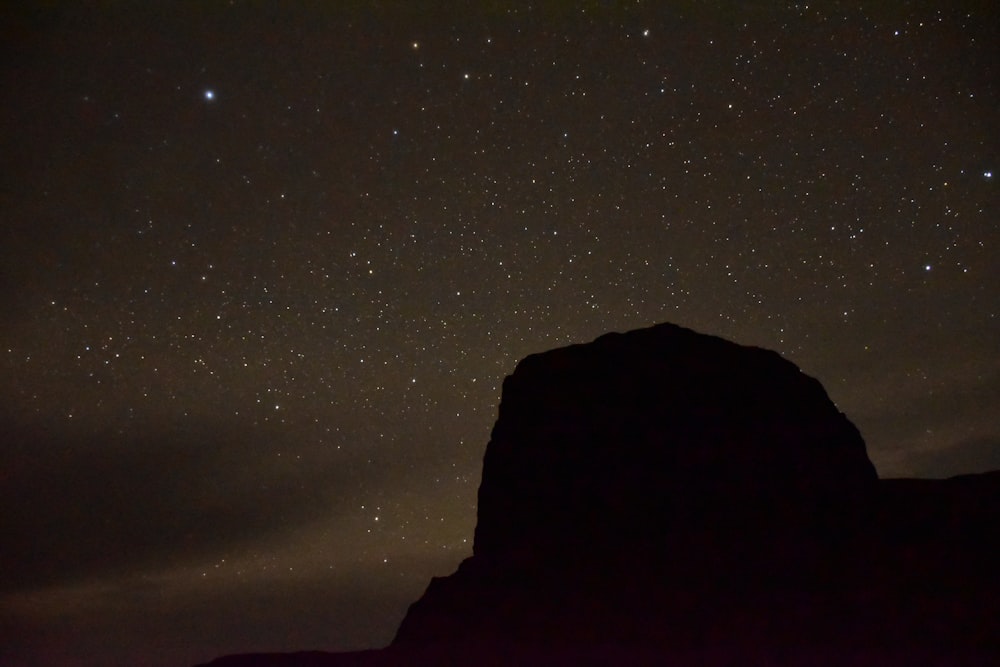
pixel 667 496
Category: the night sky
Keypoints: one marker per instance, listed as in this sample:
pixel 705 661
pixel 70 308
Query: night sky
pixel 263 270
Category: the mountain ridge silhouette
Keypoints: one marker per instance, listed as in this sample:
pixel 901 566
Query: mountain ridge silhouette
pixel 663 495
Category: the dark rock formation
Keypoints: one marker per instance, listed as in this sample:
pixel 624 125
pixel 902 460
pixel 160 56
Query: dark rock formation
pixel 654 431
pixel 662 495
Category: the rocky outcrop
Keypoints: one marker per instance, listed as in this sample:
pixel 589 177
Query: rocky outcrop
pixel 647 461
pixel 666 495
pixel 638 436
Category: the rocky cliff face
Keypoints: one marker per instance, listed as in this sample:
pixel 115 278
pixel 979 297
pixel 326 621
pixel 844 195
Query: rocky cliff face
pixel 667 471
pixel 659 431
pixel 666 495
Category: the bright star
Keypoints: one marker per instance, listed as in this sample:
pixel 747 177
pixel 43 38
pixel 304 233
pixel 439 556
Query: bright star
pixel 209 95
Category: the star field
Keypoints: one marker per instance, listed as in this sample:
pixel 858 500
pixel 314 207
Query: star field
pixel 265 269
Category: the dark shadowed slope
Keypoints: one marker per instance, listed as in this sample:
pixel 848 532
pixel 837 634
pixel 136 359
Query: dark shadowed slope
pixel 666 495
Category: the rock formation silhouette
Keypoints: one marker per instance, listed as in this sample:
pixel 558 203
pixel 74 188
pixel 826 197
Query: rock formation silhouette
pixel 667 497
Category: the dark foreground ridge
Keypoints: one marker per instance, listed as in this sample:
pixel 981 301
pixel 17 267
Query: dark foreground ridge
pixel 667 497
